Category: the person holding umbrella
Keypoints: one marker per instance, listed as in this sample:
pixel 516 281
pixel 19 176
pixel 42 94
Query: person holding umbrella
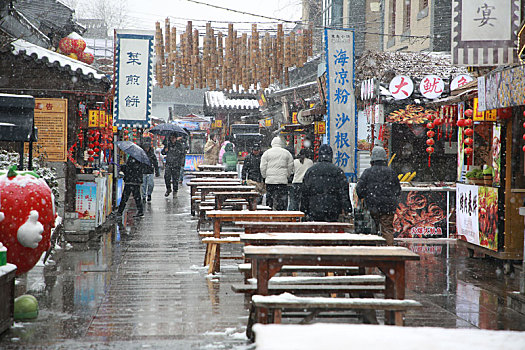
pixel 148 183
pixel 174 152
pixel 133 171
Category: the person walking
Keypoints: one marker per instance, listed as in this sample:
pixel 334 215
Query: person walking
pixel 133 173
pixel 276 166
pixel 147 177
pixel 325 193
pixel 300 166
pixel 229 158
pixel 173 149
pixel 227 140
pixel 185 149
pixel 211 151
pixel 380 189
pixel 251 171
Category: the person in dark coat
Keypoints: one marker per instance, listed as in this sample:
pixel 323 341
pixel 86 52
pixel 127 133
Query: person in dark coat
pixel 325 194
pixel 174 152
pixel 147 177
pixel 251 170
pixel 380 188
pixel 133 171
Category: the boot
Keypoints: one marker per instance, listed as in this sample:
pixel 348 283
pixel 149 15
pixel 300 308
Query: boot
pixel 168 191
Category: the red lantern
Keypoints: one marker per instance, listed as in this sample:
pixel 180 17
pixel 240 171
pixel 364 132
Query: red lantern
pixel 438 122
pixel 65 45
pixel 91 139
pixel 469 132
pixel 469 151
pixel 96 143
pixel 523 148
pixel 468 122
pixel 78 46
pixel 96 150
pixel 86 57
pixel 468 113
pixel 524 124
pixel 91 159
pixel 430 150
pixel 461 123
pixel 91 145
pixel 430 125
pixel 90 152
pixel 430 133
pixel 468 141
pixel 524 136
pixel 430 142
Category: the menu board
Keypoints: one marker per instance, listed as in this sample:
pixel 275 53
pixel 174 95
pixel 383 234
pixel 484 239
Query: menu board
pixel 51 121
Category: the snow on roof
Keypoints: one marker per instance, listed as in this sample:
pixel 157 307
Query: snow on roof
pixel 386 64
pixel 378 337
pixel 22 47
pixel 217 99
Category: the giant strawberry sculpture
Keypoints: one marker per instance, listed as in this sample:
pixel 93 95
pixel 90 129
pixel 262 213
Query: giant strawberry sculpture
pixel 27 215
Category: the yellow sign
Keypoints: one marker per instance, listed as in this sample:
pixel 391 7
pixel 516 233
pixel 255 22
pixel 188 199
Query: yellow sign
pixel 320 128
pixel 477 116
pixel 490 115
pixel 294 118
pixel 51 121
pixel 268 122
pixel 93 118
pixel 217 124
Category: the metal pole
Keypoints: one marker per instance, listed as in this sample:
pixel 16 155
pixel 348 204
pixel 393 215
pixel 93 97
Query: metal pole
pixel 21 153
pixel 448 213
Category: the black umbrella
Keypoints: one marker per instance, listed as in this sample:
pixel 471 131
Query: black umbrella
pixel 134 151
pixel 167 129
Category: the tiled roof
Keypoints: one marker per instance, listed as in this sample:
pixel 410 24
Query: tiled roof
pixel 218 99
pixel 51 58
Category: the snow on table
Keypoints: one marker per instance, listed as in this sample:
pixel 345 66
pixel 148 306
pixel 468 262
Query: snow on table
pixel 375 337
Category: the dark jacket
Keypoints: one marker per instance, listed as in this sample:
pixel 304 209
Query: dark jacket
pixel 251 169
pixel 325 194
pixel 133 170
pixel 174 153
pixel 154 167
pixel 380 188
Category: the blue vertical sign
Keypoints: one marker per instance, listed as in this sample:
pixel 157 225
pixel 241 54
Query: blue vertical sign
pixel 342 126
pixel 133 81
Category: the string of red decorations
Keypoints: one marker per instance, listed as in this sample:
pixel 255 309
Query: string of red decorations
pixel 430 141
pixel 468 132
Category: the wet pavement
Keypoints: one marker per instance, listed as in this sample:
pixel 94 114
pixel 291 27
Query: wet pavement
pixel 141 284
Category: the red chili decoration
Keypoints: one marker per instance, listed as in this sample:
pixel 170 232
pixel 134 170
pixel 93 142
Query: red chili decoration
pixel 431 133
pixel 430 142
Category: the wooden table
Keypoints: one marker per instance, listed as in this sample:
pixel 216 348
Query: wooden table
pixel 212 182
pixel 311 239
pixel 222 174
pixel 308 226
pixel 250 197
pixel 205 190
pixel 210 167
pixel 390 260
pixel 220 216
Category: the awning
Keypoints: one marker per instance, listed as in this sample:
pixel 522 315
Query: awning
pixel 464 96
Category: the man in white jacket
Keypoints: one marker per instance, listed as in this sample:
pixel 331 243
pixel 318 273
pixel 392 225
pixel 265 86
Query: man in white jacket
pixel 276 168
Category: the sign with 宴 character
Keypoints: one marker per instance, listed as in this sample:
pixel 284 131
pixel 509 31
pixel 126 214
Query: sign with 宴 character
pixel 484 32
pixel 342 130
pixel 133 83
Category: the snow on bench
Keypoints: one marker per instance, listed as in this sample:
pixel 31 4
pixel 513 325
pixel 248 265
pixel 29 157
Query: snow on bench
pixel 289 301
pixel 359 279
pixel 247 267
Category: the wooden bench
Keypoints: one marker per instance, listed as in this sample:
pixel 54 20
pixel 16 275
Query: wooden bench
pixel 277 303
pixel 220 174
pixel 251 289
pixel 359 279
pixel 211 167
pixel 194 186
pixel 309 226
pixel 247 268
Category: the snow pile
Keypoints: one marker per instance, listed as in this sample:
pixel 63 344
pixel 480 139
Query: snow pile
pixel 373 337
pixel 30 233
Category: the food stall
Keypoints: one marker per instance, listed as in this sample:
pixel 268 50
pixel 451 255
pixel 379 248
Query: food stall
pixel 197 128
pixel 491 167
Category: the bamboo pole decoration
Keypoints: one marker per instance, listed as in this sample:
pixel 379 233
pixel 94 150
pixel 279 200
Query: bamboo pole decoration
pixel 310 40
pixel 300 51
pixel 220 61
